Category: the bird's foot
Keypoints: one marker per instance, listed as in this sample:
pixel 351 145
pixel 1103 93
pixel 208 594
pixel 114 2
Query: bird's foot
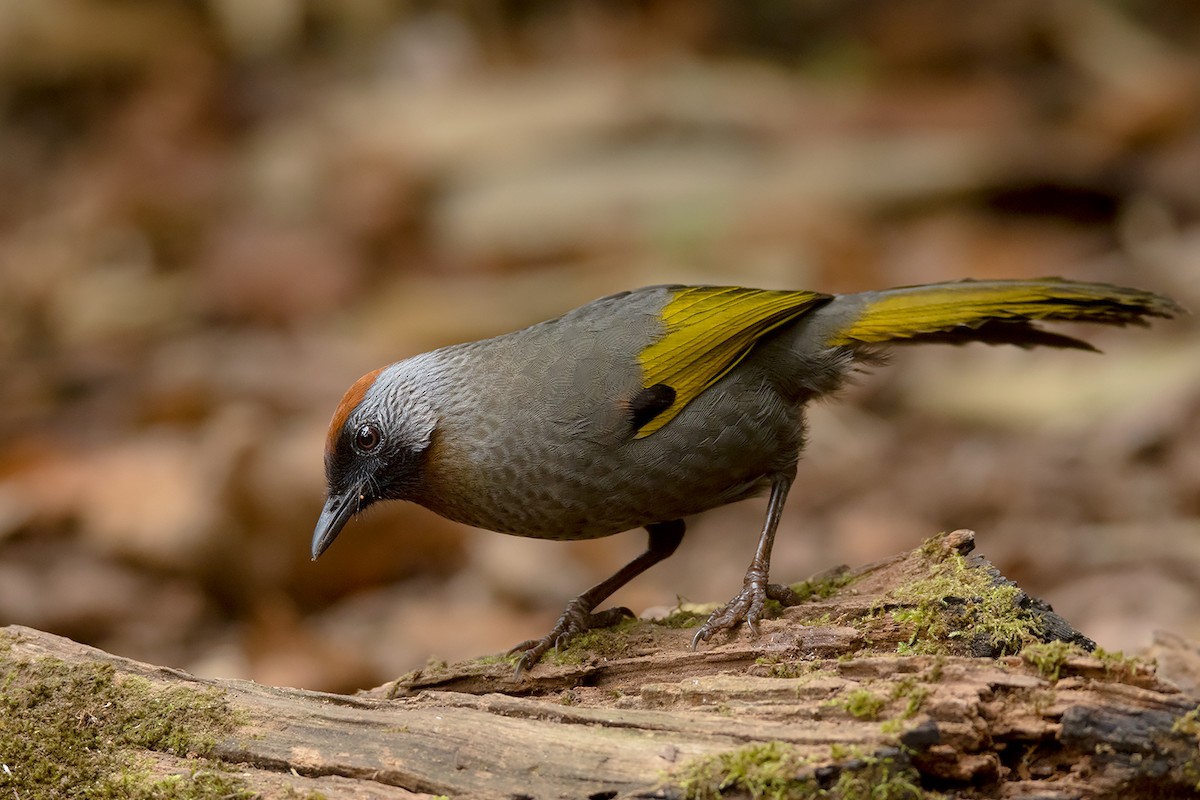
pixel 576 619
pixel 746 606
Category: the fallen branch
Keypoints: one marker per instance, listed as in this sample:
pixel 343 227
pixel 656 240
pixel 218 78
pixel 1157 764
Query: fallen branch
pixel 912 675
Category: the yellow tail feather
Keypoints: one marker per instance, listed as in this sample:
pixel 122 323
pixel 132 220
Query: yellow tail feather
pixel 997 312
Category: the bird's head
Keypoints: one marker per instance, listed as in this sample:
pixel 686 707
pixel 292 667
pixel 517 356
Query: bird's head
pixel 377 440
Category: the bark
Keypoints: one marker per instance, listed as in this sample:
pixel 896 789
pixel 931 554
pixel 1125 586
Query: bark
pixel 893 683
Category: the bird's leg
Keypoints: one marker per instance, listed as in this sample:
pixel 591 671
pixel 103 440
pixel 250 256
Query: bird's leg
pixel 747 605
pixel 578 616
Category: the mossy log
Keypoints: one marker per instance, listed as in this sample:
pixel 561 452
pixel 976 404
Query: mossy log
pixel 924 675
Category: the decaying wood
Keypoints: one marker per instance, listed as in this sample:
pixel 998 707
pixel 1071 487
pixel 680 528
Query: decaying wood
pixel 838 681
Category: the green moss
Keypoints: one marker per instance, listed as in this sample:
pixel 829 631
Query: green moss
pixel 955 602
pixel 508 659
pixel 861 704
pixel 878 779
pixel 1189 725
pixel 792 669
pixel 934 548
pixel 1048 657
pixel 866 705
pixel 682 618
pixel 912 693
pixel 777 771
pixel 762 770
pixel 79 730
pixel 1120 666
pixel 610 642
pixel 292 793
pixel 822 586
pixel 843 752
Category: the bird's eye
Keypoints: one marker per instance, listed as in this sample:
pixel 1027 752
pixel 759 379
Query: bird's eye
pixel 368 438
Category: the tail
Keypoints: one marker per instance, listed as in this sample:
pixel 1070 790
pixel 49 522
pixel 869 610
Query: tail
pixel 994 312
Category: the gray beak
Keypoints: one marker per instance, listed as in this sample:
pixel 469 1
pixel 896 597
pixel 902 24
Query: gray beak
pixel 337 512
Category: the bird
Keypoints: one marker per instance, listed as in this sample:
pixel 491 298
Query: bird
pixel 646 407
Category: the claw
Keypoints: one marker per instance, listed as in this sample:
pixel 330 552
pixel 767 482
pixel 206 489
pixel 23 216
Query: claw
pixel 578 616
pixel 746 607
pixel 524 664
pixel 576 619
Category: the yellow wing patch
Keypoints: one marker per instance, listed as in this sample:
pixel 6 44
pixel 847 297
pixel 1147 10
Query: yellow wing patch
pixel 709 329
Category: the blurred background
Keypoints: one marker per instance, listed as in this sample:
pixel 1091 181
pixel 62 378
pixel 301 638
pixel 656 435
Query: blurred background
pixel 214 216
